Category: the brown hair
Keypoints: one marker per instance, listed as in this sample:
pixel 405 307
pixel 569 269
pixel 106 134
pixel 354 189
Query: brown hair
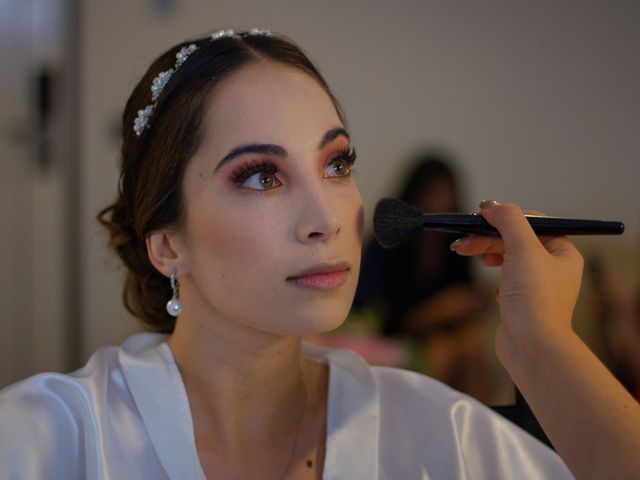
pixel 153 164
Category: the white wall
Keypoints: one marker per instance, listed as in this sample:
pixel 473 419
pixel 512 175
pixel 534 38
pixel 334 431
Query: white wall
pixel 539 100
pixel 34 165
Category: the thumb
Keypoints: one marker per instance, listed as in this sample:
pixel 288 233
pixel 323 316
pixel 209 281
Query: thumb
pixel 516 232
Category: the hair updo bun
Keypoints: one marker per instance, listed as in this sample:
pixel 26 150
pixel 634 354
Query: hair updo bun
pixel 154 158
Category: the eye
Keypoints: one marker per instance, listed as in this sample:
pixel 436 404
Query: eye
pixel 261 181
pixel 338 168
pixel 256 175
pixel 341 165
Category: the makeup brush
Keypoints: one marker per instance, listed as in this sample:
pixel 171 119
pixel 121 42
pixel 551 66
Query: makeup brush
pixel 394 222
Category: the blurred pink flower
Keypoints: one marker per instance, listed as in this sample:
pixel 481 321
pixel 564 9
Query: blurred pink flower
pixel 376 350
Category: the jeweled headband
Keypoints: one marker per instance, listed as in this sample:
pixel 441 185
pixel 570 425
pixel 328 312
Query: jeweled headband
pixel 160 81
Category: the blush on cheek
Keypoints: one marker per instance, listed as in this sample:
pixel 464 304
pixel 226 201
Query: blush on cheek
pixel 236 246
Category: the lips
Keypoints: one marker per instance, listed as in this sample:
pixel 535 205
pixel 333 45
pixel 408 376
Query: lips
pixel 325 276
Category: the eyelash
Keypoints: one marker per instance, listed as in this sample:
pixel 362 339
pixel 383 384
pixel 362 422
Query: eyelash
pixel 249 169
pixel 347 154
pixel 246 171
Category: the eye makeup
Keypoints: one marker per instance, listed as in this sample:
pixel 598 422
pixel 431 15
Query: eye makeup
pixel 347 154
pixel 245 171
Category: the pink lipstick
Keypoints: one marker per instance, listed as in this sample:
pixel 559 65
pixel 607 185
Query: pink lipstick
pixel 325 276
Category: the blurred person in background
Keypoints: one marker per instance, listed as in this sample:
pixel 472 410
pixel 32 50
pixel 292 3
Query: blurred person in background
pixel 610 318
pixel 425 293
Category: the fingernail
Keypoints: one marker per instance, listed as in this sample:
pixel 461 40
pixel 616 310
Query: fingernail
pixel 455 244
pixel 488 203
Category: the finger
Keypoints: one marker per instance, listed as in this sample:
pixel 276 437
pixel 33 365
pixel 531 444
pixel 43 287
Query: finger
pixel 544 239
pixel 492 259
pixel 509 220
pixel 562 247
pixel 537 213
pixel 478 245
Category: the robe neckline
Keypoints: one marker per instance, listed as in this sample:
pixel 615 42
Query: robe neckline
pixel 353 420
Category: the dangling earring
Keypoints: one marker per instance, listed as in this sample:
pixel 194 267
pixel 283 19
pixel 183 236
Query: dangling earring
pixel 174 307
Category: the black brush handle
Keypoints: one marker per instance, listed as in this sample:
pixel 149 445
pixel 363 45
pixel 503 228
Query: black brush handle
pixel 553 226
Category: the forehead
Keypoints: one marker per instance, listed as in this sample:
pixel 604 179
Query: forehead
pixel 268 102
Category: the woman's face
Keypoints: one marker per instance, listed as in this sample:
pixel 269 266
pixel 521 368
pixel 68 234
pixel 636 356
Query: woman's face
pixel 437 196
pixel 273 219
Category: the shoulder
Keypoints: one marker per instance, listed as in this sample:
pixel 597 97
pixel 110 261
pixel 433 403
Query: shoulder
pixel 57 391
pixel 73 397
pixel 52 423
pixel 44 418
pixel 405 396
pixel 426 426
pixel 412 385
pixel 455 432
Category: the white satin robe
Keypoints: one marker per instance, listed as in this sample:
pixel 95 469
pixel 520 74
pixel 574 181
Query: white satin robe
pixel 125 415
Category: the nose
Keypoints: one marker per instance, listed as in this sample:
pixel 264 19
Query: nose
pixel 318 217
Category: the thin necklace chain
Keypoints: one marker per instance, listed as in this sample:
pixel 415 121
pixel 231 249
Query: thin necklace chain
pixel 297 434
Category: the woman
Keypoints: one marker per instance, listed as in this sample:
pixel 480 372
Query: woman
pixel 424 293
pixel 424 288
pixel 237 205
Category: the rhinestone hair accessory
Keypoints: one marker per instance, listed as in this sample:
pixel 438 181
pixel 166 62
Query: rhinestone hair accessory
pixel 160 81
pixel 227 33
pixel 142 120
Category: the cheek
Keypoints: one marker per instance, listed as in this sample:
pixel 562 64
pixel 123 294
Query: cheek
pixel 239 267
pixel 232 249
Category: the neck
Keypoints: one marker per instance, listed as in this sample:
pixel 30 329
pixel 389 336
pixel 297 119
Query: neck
pixel 243 385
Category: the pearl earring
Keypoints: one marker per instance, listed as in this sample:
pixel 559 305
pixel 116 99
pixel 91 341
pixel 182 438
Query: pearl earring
pixel 174 307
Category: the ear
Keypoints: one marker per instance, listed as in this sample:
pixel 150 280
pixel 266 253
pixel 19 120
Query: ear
pixel 167 252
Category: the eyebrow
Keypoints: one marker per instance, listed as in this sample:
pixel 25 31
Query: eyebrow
pixel 270 149
pixel 331 135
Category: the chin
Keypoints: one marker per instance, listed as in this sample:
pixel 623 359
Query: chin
pixel 325 325
pixel 321 319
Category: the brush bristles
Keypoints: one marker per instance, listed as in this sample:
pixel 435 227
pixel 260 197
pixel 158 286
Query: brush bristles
pixel 394 222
